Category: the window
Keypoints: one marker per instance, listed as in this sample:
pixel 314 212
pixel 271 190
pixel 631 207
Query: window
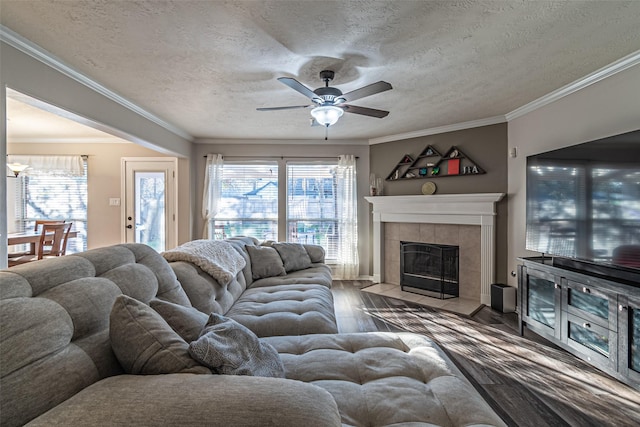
pixel 249 201
pixel 312 205
pixel 295 201
pixel 53 196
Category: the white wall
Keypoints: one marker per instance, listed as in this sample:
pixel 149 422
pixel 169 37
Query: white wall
pixel 609 107
pixel 294 149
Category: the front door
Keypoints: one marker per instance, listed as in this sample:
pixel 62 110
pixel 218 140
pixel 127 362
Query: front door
pixel 149 209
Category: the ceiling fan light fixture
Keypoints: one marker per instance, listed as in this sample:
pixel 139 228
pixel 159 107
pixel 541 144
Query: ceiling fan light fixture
pixel 327 115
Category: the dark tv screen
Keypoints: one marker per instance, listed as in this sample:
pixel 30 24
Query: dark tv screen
pixel 583 202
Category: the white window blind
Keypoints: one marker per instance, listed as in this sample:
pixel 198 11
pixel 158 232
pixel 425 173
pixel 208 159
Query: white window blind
pixel 54 196
pixel 312 205
pixel 249 202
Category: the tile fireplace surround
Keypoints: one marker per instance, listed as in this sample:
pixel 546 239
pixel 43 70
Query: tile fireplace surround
pixel 465 220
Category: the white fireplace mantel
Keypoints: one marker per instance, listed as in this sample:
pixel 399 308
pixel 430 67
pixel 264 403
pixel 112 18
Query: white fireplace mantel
pixel 463 209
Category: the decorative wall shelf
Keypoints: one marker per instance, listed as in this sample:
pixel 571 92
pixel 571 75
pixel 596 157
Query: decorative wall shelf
pixel 431 164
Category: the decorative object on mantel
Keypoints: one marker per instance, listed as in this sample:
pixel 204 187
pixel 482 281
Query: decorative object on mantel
pixel 429 188
pixel 375 185
pixel 431 164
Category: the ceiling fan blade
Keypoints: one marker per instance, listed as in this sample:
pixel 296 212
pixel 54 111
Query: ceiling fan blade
pixel 299 87
pixel 283 108
pixel 371 112
pixel 369 90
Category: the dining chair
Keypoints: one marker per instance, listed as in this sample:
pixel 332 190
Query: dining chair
pixel 37 225
pixel 53 242
pixel 40 222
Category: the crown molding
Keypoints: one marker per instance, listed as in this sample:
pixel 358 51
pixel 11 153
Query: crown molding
pixel 66 140
pixel 440 129
pixel 28 47
pixel 618 66
pixel 598 75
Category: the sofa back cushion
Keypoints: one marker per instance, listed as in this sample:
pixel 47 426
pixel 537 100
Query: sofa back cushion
pixel 294 256
pixel 265 262
pixel 54 339
pixel 205 292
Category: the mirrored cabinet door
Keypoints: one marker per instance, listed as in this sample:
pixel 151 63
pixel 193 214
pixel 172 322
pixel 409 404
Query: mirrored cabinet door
pixel 541 304
pixel 594 304
pixel 629 345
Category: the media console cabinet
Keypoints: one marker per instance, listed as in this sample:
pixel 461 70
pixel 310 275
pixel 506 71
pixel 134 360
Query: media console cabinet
pixel 596 319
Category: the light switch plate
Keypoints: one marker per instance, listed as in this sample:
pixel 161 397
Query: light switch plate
pixel 114 201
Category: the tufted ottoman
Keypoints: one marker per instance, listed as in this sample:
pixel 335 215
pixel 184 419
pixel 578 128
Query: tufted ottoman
pixel 383 379
pixel 286 310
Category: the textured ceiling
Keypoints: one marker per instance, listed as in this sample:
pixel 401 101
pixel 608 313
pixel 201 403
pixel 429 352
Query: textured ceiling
pixel 205 66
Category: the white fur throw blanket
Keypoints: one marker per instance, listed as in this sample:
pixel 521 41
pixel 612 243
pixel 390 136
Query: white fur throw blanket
pixel 216 257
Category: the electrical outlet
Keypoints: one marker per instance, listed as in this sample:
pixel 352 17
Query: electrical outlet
pixel 114 201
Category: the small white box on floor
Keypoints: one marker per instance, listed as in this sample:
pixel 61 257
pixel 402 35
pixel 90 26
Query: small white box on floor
pixel 503 298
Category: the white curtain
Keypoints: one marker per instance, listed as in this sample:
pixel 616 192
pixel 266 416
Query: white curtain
pixel 212 193
pixel 348 265
pixel 49 165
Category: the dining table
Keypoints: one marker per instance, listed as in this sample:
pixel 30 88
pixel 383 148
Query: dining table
pixel 30 237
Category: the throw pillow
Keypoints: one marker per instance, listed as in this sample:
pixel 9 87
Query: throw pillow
pixel 230 348
pixel 186 321
pixel 294 256
pixel 145 344
pixel 316 253
pixel 265 262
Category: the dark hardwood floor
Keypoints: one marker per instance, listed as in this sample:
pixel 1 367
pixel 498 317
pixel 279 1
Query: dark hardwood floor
pixel 527 380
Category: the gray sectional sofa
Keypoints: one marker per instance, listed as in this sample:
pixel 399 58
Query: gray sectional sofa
pixel 107 337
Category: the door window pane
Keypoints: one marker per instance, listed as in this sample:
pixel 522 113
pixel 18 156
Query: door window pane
pixel 150 209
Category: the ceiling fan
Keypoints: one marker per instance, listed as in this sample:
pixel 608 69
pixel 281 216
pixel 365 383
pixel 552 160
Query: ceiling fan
pixel 330 103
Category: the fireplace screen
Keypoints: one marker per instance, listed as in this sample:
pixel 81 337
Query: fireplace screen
pixel 429 269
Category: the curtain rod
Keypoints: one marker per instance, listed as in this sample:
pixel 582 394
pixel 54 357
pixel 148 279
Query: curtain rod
pixel 84 156
pixel 282 157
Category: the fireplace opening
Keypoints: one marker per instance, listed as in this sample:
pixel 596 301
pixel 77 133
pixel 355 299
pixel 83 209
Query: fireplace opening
pixel 429 269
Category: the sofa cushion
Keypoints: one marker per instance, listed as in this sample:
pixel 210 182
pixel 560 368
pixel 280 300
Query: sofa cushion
pixel 286 310
pixel 186 321
pixel 145 344
pixel 194 400
pixel 294 256
pixel 206 293
pixel 372 375
pixel 229 348
pixel 265 262
pixel 317 274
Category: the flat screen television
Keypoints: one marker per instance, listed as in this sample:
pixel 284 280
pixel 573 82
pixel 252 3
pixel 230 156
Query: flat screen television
pixel 583 206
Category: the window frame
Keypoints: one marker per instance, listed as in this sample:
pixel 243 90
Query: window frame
pixel 283 219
